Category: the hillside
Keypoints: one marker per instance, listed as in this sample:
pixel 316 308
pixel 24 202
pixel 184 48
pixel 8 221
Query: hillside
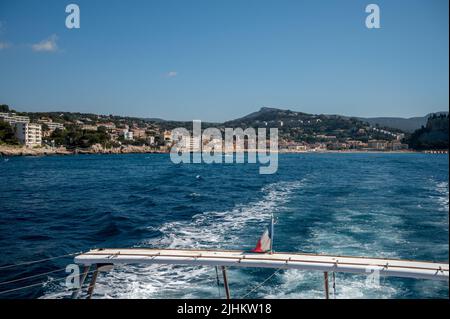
pixel 433 136
pixel 408 125
pixel 299 126
pixel 83 130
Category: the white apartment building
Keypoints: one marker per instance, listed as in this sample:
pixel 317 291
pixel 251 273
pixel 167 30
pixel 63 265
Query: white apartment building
pixel 12 118
pixel 128 135
pixel 29 134
pixel 89 127
pixel 52 125
pixel 377 145
pixel 167 136
pixel 195 144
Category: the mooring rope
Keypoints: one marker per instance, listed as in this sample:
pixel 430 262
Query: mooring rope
pixel 38 261
pixel 36 285
pixel 32 276
pixel 267 279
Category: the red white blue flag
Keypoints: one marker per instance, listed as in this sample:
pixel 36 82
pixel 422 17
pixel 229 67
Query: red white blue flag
pixel 264 244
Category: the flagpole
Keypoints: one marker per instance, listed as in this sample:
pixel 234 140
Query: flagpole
pixel 271 230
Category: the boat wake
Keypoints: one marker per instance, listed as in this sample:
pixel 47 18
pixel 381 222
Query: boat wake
pixel 239 227
pixel 226 229
pixel 442 190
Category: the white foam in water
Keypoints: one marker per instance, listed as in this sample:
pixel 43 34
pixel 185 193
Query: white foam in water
pixel 227 229
pixel 214 229
pixel 205 230
pixel 443 200
pixel 309 285
pixel 335 235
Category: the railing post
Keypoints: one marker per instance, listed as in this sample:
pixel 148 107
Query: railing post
pixel 225 282
pixel 83 278
pixel 92 283
pixel 325 277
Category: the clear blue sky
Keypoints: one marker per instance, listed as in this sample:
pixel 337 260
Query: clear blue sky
pixel 221 59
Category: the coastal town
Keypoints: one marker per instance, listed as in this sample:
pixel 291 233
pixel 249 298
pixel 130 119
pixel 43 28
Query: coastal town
pixel 69 133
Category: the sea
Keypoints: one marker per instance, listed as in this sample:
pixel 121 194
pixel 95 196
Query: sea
pixel 375 204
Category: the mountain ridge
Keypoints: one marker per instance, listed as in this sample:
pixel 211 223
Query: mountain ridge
pixel 408 125
pixel 271 114
pixel 404 124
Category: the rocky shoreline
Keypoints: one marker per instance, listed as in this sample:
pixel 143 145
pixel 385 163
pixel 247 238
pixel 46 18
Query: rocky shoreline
pixel 9 150
pixel 43 151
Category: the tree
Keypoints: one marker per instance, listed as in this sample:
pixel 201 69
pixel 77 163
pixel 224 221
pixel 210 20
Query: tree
pixel 75 137
pixel 4 108
pixel 7 134
pixel 432 136
pixel 45 128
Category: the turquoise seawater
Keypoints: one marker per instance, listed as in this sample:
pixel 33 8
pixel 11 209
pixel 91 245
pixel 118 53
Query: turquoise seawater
pixel 380 205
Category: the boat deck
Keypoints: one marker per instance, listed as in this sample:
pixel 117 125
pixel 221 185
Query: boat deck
pixel 235 258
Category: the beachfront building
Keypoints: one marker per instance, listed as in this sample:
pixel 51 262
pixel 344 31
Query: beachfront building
pixel 355 144
pixel 378 144
pixel 29 134
pixel 215 143
pixel 297 147
pixel 292 146
pixel 195 144
pixel 139 133
pixel 336 146
pixel 167 136
pixel 151 140
pixel 397 146
pixel 318 147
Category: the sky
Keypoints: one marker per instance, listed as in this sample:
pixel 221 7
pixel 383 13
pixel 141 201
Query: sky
pixel 217 60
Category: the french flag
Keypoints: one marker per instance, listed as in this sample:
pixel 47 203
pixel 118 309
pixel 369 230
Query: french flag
pixel 264 244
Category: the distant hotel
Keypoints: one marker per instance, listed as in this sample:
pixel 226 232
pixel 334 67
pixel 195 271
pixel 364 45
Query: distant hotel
pixel 29 134
pixel 51 125
pixel 12 118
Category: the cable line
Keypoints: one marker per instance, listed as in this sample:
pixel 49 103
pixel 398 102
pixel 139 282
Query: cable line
pixel 35 285
pixel 38 261
pixel 29 277
pixel 267 279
